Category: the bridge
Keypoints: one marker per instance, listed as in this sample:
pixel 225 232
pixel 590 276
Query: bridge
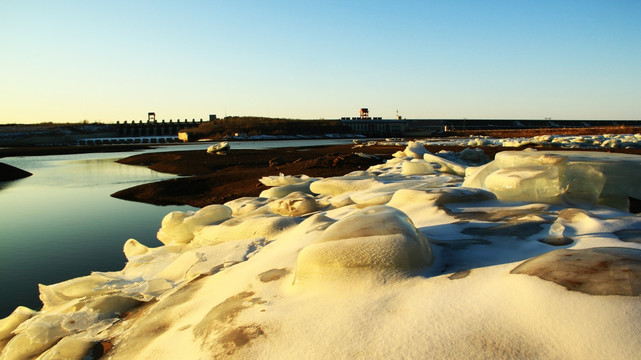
pixel 128 140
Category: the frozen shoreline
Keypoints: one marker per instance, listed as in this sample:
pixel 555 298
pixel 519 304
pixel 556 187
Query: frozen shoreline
pixel 348 266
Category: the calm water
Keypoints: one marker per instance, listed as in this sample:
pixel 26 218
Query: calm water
pixel 62 223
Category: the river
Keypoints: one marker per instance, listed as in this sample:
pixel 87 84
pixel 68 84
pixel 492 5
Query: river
pixel 62 222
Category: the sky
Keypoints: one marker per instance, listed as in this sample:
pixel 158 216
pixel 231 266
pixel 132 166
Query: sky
pixel 108 61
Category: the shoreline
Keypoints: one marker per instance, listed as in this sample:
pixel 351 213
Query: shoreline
pixel 215 179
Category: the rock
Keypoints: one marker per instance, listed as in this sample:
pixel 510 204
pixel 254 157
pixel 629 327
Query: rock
pixel 596 271
pixel 275 162
pixel 9 173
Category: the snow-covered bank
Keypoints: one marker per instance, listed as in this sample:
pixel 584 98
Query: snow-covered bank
pixel 399 260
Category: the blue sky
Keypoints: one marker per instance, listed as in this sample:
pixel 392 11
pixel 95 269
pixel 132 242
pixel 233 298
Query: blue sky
pixel 69 61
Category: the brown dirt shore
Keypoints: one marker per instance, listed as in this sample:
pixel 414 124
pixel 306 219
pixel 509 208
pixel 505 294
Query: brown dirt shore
pixel 215 179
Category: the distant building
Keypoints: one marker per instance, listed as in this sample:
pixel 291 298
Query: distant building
pixel 376 127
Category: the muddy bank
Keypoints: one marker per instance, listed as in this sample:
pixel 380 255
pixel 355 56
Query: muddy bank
pixel 215 179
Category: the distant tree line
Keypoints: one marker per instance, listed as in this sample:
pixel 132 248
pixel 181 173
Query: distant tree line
pixel 252 125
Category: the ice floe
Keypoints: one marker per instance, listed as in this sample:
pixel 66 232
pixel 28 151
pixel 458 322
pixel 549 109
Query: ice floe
pixel 532 255
pixel 605 141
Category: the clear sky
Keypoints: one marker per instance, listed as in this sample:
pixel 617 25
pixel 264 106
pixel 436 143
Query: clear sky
pixel 69 61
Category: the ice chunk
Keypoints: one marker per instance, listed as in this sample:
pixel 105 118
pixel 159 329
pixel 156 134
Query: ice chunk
pixel 133 248
pixel 473 156
pixel 371 198
pixel 342 184
pixel 112 305
pixel 70 347
pixel 220 148
pixel 179 227
pixel 60 293
pixel 556 235
pixel 475 175
pixel 11 322
pixel 414 149
pixel 278 192
pixel 283 185
pixel 378 238
pixel 446 165
pixel 583 176
pixel 264 225
pixel 441 196
pixel 283 179
pixel 383 193
pixel 294 204
pixel 39 333
pixel 534 183
pixel 245 205
pixel 584 183
pixel 416 167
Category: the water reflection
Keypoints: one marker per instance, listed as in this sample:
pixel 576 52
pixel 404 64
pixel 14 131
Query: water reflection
pixel 61 222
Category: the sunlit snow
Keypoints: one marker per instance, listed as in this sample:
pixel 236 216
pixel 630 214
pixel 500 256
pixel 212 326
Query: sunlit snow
pixel 423 256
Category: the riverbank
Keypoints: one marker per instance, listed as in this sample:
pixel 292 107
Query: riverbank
pixel 215 179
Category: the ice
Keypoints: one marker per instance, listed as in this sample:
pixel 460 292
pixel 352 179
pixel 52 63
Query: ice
pixel 38 334
pixel 341 184
pixel 446 165
pixel 283 179
pixel 294 204
pixel 219 149
pixel 246 205
pixel 11 322
pixel 416 167
pixel 283 185
pixel 533 183
pixel 550 176
pixel 179 227
pixel 70 347
pixel 376 238
pixel 63 292
pixel 414 150
pixel 134 248
pixel 267 226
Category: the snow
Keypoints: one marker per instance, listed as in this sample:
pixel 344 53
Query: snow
pixel 219 149
pixel 424 256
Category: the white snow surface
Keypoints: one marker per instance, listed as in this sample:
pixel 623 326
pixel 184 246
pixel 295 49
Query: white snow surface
pixel 399 261
pixel 605 141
